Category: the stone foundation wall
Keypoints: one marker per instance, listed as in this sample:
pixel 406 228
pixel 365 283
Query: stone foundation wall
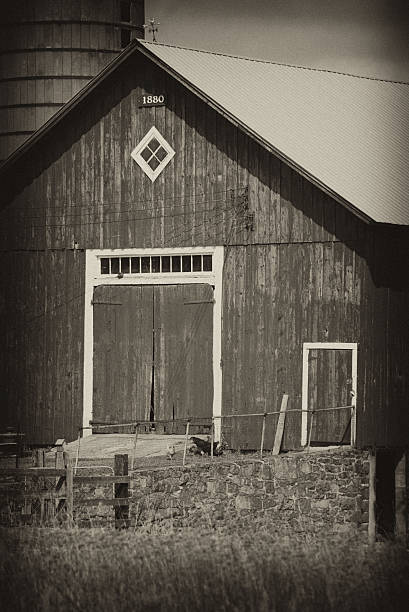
pixel 320 491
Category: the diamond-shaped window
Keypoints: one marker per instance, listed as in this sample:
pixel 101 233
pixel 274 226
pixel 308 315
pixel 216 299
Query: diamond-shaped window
pixel 153 153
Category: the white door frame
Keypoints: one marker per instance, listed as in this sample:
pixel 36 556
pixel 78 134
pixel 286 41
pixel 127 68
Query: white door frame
pixel 94 278
pixel 342 346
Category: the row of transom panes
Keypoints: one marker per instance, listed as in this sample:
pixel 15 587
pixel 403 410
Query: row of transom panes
pixel 156 264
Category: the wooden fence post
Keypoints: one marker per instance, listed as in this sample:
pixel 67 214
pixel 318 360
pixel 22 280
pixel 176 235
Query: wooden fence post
pixel 401 509
pixel 40 463
pixel 77 456
pixel 39 458
pixel 61 482
pixel 372 498
pixel 134 447
pixel 212 438
pixel 121 492
pixel 263 431
pixel 310 430
pixel 69 491
pixel 186 441
pixel 59 456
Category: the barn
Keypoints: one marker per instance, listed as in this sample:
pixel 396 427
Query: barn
pixel 194 235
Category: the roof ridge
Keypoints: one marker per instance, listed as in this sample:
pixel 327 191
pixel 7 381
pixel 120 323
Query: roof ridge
pixel 262 61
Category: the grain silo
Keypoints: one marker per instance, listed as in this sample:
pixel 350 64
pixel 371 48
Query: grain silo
pixel 49 49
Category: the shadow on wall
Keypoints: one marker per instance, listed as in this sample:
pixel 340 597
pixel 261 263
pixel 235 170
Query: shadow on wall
pixel 391 497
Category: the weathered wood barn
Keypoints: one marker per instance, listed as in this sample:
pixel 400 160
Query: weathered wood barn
pixel 196 234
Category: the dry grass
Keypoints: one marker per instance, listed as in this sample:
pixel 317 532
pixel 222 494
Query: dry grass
pixel 101 570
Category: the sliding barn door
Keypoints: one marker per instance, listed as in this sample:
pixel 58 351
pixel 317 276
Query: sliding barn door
pixel 183 354
pixel 153 354
pixel 123 348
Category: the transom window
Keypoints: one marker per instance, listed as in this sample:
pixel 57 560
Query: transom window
pixel 153 153
pixel 156 264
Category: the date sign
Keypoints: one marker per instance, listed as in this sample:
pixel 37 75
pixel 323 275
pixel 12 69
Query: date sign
pixel 152 100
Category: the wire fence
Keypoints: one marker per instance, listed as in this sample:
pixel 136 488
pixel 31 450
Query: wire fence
pixel 212 423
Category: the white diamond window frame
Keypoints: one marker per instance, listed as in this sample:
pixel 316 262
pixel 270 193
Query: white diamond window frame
pixel 144 165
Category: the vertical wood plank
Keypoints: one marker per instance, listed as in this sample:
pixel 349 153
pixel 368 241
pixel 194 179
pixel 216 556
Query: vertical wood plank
pixel 280 426
pixel 285 210
pixel 121 492
pixel 372 499
pixel 69 491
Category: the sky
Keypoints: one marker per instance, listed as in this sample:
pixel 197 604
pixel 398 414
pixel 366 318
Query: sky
pixel 364 37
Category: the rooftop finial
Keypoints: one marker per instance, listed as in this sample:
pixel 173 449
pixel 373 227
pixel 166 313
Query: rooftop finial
pixel 152 27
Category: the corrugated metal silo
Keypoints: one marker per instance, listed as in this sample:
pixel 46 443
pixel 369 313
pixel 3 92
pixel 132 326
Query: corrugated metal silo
pixel 49 49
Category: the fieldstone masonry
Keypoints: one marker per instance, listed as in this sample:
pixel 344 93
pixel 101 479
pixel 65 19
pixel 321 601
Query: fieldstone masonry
pixel 319 491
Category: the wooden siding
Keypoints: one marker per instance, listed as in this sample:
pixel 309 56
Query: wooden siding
pixel 41 323
pixel 276 299
pixel 298 266
pixel 85 183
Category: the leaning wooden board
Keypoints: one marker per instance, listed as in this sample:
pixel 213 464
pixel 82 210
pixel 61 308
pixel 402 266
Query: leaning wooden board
pixel 280 425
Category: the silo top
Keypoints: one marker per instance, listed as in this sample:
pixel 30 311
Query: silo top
pixel 49 50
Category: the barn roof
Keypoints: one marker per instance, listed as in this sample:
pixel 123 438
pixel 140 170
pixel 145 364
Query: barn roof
pixel 349 135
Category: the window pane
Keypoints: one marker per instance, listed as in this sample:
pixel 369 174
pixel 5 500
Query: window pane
pixel 161 153
pixel 146 153
pixel 135 265
pixel 153 163
pixel 207 263
pixel 186 263
pixel 165 264
pixel 155 264
pixel 125 265
pixel 176 263
pixel 145 265
pixel 153 144
pixel 197 263
pixel 115 265
pixel 105 265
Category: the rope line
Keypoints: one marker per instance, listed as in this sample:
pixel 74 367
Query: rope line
pixel 85 212
pixel 104 202
pixel 81 224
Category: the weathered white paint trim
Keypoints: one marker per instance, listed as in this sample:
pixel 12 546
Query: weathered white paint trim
pixel 93 278
pixel 331 345
pixel 218 260
pixel 136 154
pixel 307 346
pixel 304 395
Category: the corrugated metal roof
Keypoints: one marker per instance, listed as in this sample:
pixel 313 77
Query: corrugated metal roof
pixel 350 134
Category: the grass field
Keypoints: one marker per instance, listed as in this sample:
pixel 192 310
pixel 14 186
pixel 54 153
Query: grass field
pixel 100 570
